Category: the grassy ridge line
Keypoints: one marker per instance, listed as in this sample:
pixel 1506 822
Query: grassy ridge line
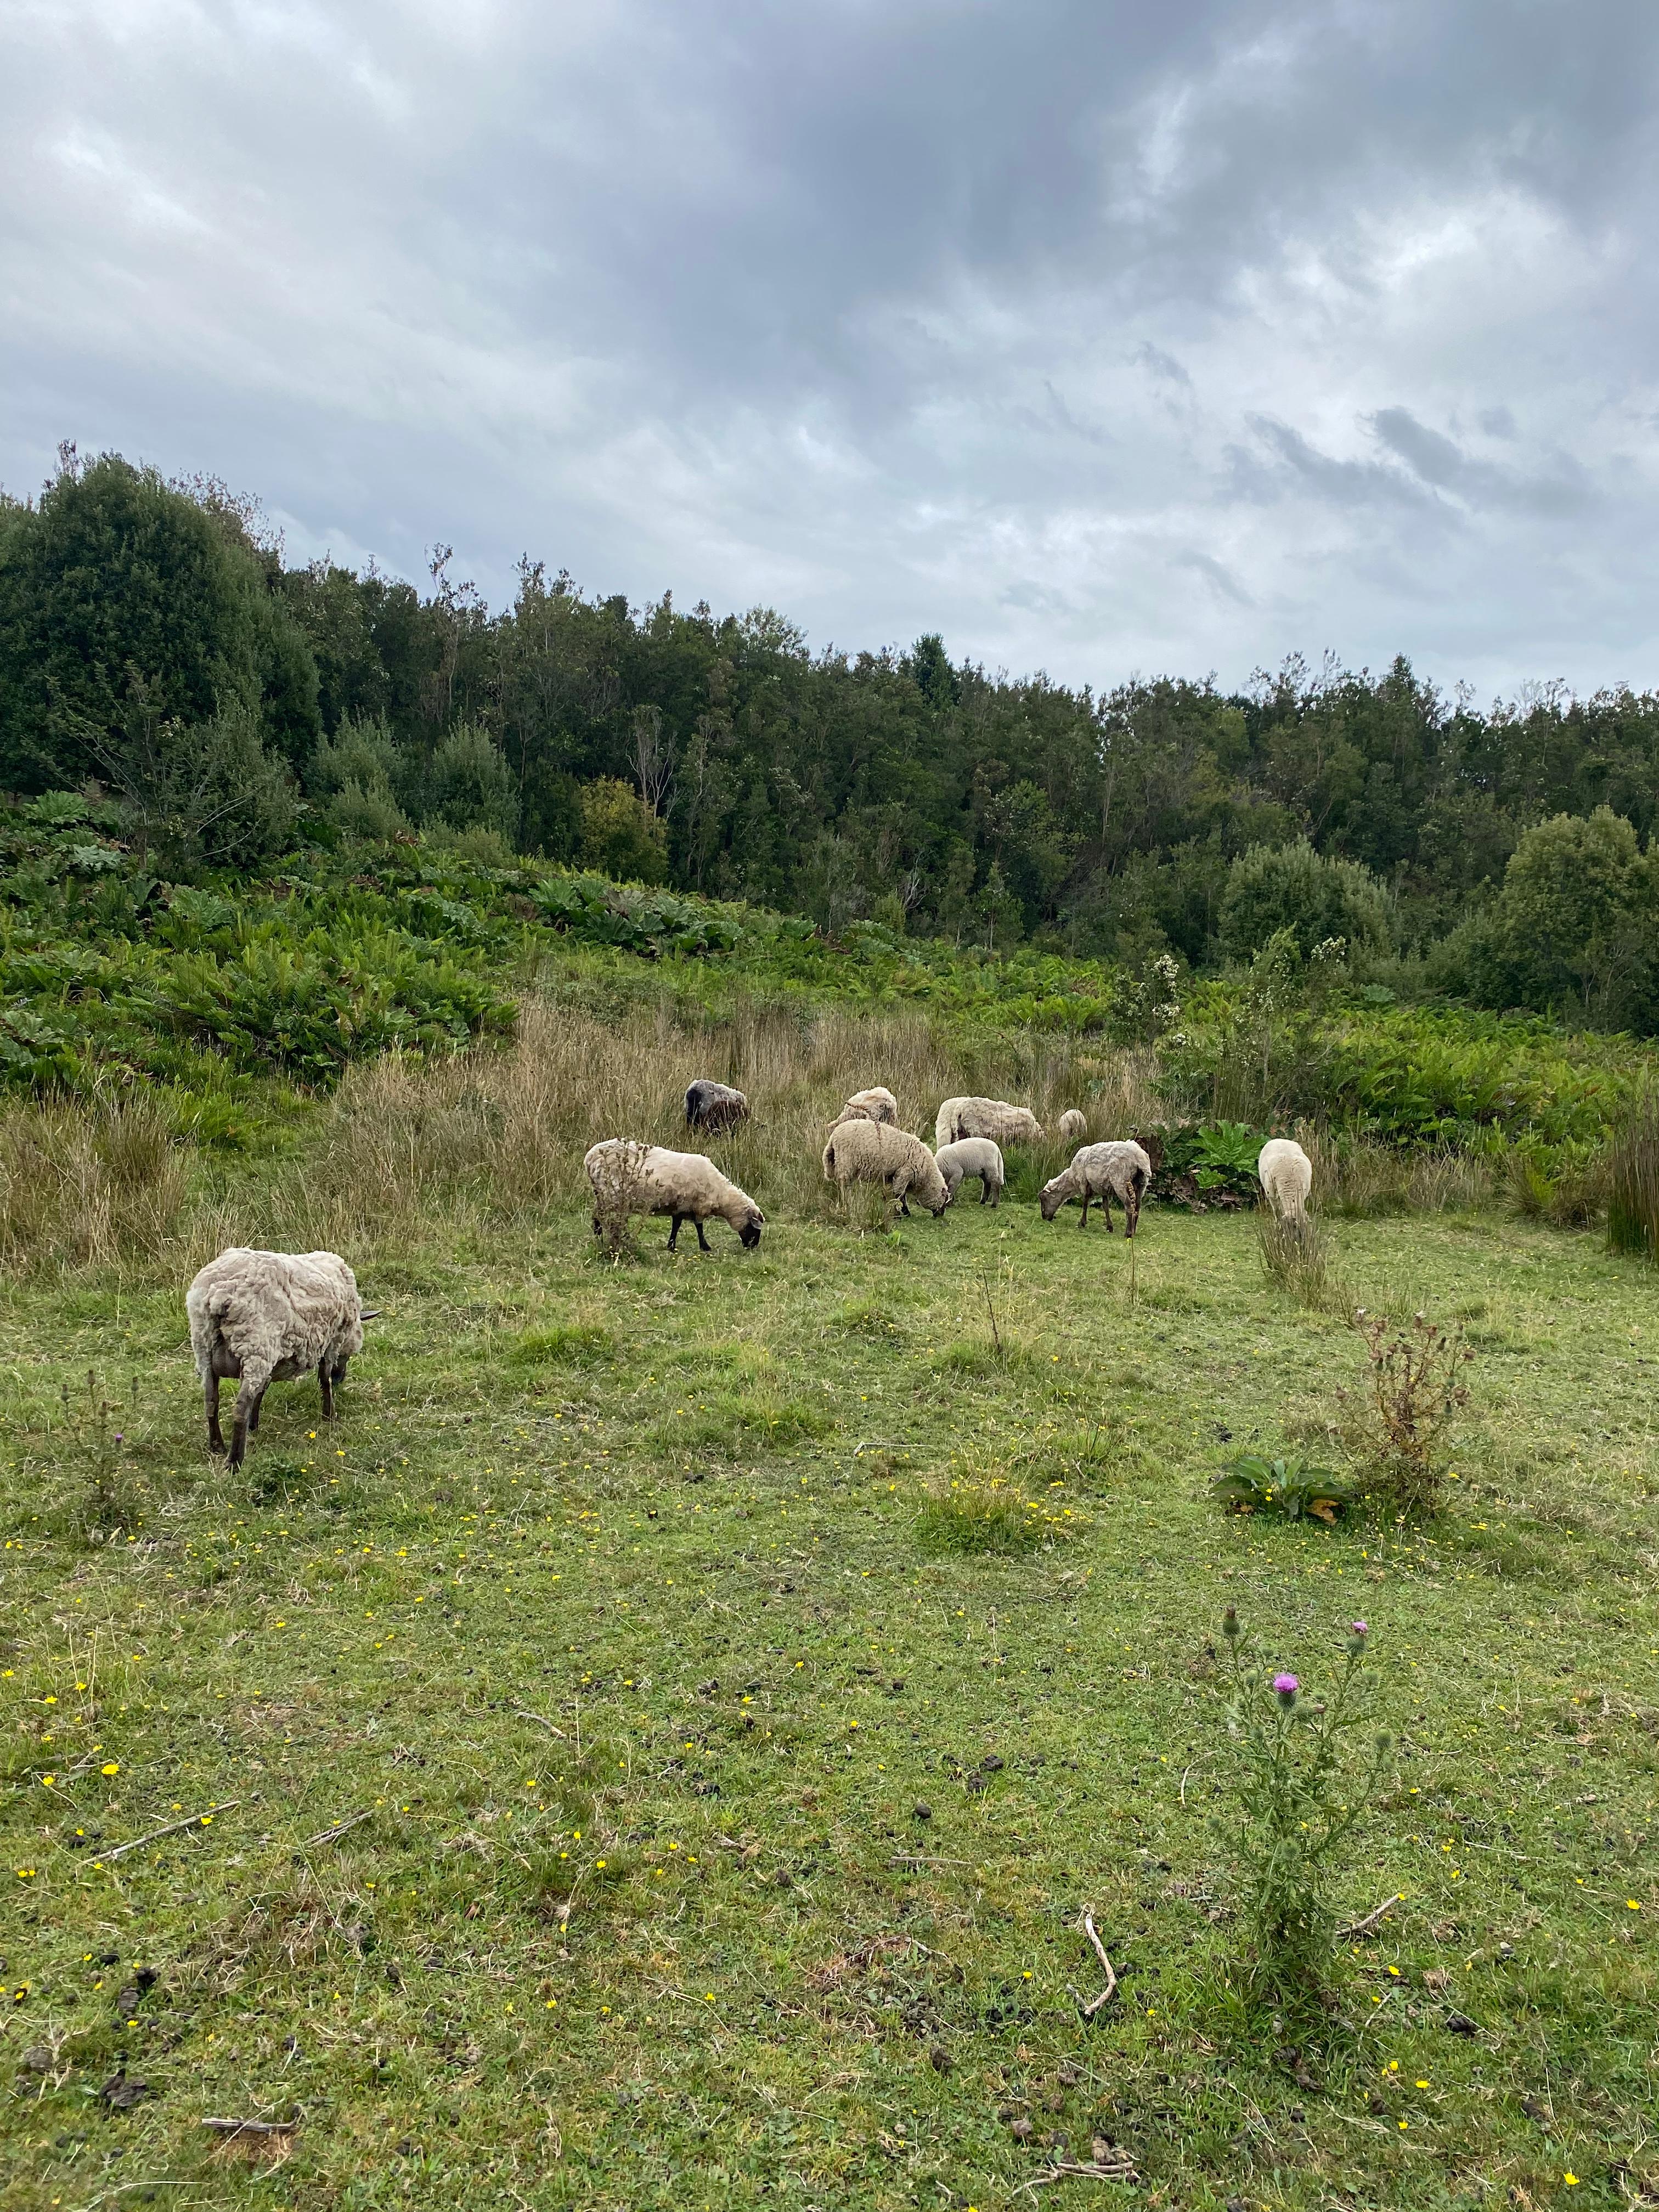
pixel 633 1502
pixel 334 958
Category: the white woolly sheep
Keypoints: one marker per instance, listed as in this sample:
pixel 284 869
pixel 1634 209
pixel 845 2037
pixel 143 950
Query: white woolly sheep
pixel 1287 1174
pixel 872 1152
pixel 972 1155
pixel 873 1105
pixel 714 1106
pixel 263 1317
pixel 1074 1126
pixel 1120 1170
pixel 986 1117
pixel 687 1186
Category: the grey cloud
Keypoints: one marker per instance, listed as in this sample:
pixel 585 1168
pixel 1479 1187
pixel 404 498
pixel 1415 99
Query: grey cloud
pixel 974 315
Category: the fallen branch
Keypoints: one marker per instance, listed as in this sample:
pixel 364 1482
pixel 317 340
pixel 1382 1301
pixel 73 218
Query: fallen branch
pixel 333 1835
pixel 1364 1927
pixel 540 1719
pixel 171 1829
pixel 1110 1989
pixel 230 2127
pixel 1117 2166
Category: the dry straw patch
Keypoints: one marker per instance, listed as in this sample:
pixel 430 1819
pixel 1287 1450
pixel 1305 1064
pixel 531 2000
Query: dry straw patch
pixel 84 1184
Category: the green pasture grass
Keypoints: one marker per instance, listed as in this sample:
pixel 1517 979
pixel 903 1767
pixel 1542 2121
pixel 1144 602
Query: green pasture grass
pixel 725 1833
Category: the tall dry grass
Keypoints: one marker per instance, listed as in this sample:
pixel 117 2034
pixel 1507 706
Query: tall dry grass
pixel 85 1183
pixel 1366 1179
pixel 1632 1180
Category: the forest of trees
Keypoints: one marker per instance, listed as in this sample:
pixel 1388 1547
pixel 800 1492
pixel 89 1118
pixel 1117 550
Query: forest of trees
pixel 152 638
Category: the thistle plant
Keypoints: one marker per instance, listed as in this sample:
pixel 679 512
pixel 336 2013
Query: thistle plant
pixel 1301 1792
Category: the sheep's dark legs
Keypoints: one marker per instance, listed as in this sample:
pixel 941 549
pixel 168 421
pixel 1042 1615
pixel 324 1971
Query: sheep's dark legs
pixel 1131 1215
pixel 673 1233
pixel 326 1383
pixel 702 1241
pixel 248 1401
pixel 1083 1222
pixel 1106 1208
pixel 216 1434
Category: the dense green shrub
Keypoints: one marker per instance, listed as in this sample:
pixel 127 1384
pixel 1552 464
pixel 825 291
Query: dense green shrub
pixel 1275 887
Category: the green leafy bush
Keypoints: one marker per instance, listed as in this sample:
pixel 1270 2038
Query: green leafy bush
pixel 1286 1488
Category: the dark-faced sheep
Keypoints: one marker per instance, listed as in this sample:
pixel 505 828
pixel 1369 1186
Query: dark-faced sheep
pixel 712 1107
pixel 263 1317
pixel 627 1177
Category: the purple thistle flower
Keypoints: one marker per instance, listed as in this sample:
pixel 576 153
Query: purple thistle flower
pixel 1360 1629
pixel 1286 1686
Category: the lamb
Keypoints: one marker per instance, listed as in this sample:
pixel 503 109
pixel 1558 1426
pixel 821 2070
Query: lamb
pixel 264 1318
pixel 873 1105
pixel 872 1152
pixel 986 1117
pixel 1287 1174
pixel 687 1186
pixel 1074 1126
pixel 714 1106
pixel 972 1155
pixel 1120 1170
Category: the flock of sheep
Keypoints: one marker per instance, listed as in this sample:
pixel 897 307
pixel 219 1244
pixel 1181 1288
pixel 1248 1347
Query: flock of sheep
pixel 262 1317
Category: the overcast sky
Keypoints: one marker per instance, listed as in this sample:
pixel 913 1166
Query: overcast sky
pixel 1101 335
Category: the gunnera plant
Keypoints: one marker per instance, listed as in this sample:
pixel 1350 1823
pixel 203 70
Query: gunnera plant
pixel 1302 1786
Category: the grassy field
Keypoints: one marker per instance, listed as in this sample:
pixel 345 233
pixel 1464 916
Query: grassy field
pixel 726 1829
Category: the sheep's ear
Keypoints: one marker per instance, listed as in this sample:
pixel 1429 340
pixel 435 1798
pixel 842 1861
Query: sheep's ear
pixel 369 1313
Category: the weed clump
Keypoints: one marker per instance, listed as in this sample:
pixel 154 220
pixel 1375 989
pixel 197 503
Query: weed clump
pixel 574 1344
pixel 1298 1798
pixel 1413 1396
pixel 975 1515
pixel 1296 1260
pixel 1287 1488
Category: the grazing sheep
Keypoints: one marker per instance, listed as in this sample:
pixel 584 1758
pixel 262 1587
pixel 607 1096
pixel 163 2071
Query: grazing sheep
pixel 871 1151
pixel 1120 1170
pixel 1074 1126
pixel 714 1106
pixel 688 1186
pixel 1287 1174
pixel 263 1317
pixel 972 1155
pixel 986 1117
pixel 873 1105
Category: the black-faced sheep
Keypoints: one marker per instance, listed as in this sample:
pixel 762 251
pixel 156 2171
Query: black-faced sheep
pixel 637 1178
pixel 714 1106
pixel 1074 1126
pixel 1287 1174
pixel 871 1151
pixel 972 1155
pixel 1120 1170
pixel 986 1117
pixel 263 1317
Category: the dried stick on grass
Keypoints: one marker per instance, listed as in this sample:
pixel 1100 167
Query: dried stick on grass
pixel 230 2128
pixel 521 1713
pixel 171 1829
pixel 333 1835
pixel 1110 1989
pixel 1373 1919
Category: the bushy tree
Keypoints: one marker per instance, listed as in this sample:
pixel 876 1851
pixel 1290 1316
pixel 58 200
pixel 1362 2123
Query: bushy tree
pixel 1573 929
pixel 114 585
pixel 1291 887
pixel 469 784
pixel 621 836
pixel 198 794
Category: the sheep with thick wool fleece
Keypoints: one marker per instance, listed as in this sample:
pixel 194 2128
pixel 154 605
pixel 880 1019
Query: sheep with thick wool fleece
pixel 1074 1126
pixel 1286 1176
pixel 875 1104
pixel 263 1317
pixel 986 1117
pixel 714 1106
pixel 1119 1170
pixel 972 1155
pixel 874 1152
pixel 687 1186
